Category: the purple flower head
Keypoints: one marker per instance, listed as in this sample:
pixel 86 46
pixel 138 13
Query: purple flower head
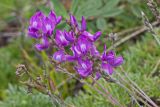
pixel 40 23
pixel 36 20
pixel 83 24
pixel 52 16
pixel 59 56
pixel 60 38
pixel 69 36
pixel 36 25
pixel 48 26
pixel 109 61
pixel 84 67
pixel 91 37
pixel 43 45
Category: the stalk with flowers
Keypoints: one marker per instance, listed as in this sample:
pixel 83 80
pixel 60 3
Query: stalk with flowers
pixel 77 46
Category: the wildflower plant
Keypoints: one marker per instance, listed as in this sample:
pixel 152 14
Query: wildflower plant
pixel 77 46
pixel 80 42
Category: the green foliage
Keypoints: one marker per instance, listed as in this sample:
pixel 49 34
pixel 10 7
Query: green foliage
pixel 91 98
pixel 139 63
pixel 11 10
pixel 96 8
pixel 18 97
pixel 15 6
pixel 59 8
pixel 10 57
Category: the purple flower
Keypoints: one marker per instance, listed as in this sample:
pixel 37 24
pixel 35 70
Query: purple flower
pixel 52 16
pixel 60 38
pixel 59 56
pixel 48 26
pixel 35 24
pixel 43 45
pixel 50 22
pixel 91 37
pixel 84 67
pixel 81 47
pixel 69 36
pixel 109 61
pixel 36 20
pixel 40 23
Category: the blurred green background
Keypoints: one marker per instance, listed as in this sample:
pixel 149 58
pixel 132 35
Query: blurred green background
pixel 141 53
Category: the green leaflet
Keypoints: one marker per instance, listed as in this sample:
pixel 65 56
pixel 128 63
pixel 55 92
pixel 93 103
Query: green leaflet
pixel 101 24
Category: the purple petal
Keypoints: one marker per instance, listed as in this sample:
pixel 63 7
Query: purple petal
pixel 85 64
pixel 97 35
pixel 59 56
pixel 84 68
pixel 48 26
pixel 59 18
pixel 43 45
pixel 52 16
pixel 36 20
pixel 73 21
pixel 83 46
pixel 107 68
pixel 76 50
pixel 104 53
pixel 98 76
pixel 69 36
pixel 91 37
pixel 33 32
pixel 60 38
pixel 34 35
pixel 110 57
pixel 118 61
pixel 94 51
pixel 88 35
pixel 70 58
pixel 83 73
pixel 83 24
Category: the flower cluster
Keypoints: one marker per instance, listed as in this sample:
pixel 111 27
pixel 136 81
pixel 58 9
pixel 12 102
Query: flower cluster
pixel 78 40
pixel 41 27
